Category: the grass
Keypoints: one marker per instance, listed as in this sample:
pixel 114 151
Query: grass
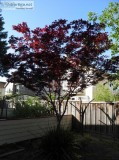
pixel 89 148
pixel 97 148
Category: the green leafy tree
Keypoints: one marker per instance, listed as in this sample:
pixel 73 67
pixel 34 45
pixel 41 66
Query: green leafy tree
pixel 110 17
pixel 103 92
pixel 114 86
pixel 3 48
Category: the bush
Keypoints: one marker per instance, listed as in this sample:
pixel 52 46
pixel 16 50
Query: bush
pixel 58 144
pixel 25 109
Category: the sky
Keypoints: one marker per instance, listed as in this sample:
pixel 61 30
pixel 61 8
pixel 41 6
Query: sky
pixel 45 12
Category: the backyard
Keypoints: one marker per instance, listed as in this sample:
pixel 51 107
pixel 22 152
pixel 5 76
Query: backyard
pixel 35 121
pixel 89 148
pixel 48 65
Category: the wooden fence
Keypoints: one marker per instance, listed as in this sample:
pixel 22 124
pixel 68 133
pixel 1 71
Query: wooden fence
pixel 99 117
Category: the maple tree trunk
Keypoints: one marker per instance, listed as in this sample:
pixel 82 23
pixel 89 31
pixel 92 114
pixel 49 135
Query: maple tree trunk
pixel 58 124
pixel 59 119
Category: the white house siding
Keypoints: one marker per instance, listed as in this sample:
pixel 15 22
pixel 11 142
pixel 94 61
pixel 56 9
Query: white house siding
pixel 64 86
pixel 2 92
pixel 89 91
pixel 5 88
pixel 9 89
pixel 2 89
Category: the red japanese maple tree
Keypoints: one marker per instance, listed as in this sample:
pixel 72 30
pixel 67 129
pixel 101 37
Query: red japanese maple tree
pixel 44 58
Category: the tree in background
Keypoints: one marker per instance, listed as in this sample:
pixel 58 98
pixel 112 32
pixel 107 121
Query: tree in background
pixel 3 48
pixel 44 58
pixel 103 93
pixel 114 87
pixel 107 91
pixel 110 17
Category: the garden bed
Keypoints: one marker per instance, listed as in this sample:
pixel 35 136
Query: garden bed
pixel 90 148
pixel 98 148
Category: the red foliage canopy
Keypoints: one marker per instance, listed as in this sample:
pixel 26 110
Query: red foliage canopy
pixel 61 51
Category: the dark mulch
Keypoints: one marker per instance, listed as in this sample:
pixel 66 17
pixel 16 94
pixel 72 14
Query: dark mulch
pixel 99 149
pixel 90 149
pixel 26 150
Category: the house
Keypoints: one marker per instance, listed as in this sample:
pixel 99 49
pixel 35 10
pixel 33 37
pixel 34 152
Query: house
pixel 22 92
pixel 87 93
pixel 5 89
pixel 2 89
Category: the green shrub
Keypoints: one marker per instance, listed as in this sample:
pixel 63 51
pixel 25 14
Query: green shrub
pixel 30 110
pixel 58 145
